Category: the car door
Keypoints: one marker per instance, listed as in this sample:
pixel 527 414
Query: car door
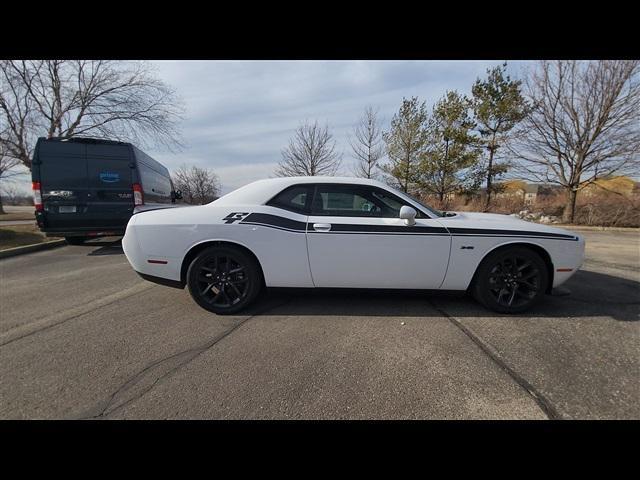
pixel 277 236
pixel 355 238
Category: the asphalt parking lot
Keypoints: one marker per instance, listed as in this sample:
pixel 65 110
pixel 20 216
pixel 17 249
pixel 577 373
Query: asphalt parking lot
pixel 82 336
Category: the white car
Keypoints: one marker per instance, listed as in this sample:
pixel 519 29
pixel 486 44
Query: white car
pixel 345 232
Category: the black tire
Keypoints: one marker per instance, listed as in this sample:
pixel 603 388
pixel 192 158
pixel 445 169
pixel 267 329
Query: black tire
pixel 75 240
pixel 237 279
pixel 510 280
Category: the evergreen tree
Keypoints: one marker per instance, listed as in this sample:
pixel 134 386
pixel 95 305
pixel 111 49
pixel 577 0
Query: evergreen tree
pixel 451 153
pixel 498 106
pixel 406 142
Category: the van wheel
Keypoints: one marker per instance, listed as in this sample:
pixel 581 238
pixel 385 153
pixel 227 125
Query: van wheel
pixel 224 279
pixel 510 280
pixel 75 240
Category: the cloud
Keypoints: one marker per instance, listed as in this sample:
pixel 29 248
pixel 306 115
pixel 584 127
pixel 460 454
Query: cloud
pixel 241 114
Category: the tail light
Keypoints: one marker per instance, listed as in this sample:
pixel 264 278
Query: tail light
pixel 138 199
pixel 37 196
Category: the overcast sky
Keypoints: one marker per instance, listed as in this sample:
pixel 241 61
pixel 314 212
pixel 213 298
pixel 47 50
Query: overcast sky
pixel 241 114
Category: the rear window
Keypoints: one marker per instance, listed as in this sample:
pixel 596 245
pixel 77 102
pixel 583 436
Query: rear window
pixel 62 165
pixel 295 199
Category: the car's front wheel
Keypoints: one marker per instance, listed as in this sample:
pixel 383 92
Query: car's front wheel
pixel 224 279
pixel 510 280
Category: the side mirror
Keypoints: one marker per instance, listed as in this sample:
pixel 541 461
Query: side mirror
pixel 408 214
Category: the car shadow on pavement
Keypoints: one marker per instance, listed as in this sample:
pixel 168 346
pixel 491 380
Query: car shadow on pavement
pixel 592 295
pixel 106 247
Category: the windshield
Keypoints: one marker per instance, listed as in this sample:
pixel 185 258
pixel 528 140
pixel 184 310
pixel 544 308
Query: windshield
pixel 432 210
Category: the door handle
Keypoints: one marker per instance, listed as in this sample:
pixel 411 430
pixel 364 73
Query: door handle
pixel 322 227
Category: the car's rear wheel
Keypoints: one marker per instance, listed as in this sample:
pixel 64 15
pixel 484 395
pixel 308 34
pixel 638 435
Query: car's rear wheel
pixel 224 279
pixel 75 240
pixel 510 280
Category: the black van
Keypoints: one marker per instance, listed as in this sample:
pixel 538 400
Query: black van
pixel 84 187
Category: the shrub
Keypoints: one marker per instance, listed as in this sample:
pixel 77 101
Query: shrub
pixel 597 208
pixel 608 210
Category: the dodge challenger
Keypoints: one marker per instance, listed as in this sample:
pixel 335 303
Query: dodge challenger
pixel 319 232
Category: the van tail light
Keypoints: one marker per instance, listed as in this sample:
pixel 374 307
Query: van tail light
pixel 137 194
pixel 37 196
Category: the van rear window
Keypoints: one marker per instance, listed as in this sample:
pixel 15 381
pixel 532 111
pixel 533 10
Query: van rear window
pixel 62 165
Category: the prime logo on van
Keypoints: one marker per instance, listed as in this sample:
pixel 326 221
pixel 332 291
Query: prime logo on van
pixel 109 177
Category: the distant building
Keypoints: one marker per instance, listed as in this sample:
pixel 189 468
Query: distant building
pixel 613 184
pixel 528 192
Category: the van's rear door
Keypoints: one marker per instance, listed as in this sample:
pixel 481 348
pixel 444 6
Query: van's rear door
pixel 63 183
pixel 85 186
pixel 110 191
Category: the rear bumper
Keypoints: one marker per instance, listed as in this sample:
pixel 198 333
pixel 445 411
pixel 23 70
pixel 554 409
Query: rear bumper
pixel 161 281
pixel 155 268
pixel 102 227
pixel 82 232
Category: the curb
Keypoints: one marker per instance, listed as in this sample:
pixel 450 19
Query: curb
pixel 36 247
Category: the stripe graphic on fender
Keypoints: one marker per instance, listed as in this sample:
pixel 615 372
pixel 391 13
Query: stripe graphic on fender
pixel 274 221
pixel 481 232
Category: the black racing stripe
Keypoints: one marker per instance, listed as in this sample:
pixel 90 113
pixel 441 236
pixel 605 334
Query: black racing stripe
pixel 359 228
pixel 506 233
pixel 274 221
pixel 282 223
pixel 273 226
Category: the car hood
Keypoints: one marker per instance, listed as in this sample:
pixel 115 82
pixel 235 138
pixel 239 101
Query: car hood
pixel 488 217
pixel 495 221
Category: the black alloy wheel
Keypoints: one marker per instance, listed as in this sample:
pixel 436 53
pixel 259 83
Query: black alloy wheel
pixel 510 280
pixel 224 279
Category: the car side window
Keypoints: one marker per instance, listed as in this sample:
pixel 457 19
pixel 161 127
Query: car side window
pixel 355 201
pixel 295 199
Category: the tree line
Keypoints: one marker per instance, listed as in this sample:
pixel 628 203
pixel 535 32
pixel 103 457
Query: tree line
pixel 570 123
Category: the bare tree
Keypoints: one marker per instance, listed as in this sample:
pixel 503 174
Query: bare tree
pixel 367 144
pixel 7 170
pixel 98 98
pixel 311 152
pixel 198 185
pixel 584 124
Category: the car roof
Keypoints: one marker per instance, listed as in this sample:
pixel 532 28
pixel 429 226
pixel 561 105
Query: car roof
pixel 261 191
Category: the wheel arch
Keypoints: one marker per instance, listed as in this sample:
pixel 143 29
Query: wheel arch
pixel 199 247
pixel 544 254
